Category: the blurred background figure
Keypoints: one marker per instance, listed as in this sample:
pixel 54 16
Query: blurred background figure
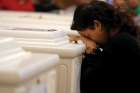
pixel 61 6
pixel 52 5
pixel 46 6
pixel 120 5
pixel 81 2
pixel 130 6
pixel 134 5
pixel 17 5
pixel 134 9
pixel 109 1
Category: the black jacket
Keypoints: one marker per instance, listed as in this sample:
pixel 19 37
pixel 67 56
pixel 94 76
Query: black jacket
pixel 115 68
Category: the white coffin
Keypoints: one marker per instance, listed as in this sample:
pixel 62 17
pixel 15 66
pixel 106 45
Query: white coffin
pixel 35 37
pixel 51 41
pixel 35 19
pixel 24 72
pixel 56 42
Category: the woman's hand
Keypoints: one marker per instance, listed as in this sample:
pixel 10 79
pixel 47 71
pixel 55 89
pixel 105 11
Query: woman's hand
pixel 74 38
pixel 90 45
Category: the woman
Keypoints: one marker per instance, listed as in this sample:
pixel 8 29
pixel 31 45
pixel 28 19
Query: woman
pixel 112 52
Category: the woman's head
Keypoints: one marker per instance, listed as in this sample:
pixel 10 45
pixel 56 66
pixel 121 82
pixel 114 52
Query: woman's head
pixel 101 19
pixel 85 15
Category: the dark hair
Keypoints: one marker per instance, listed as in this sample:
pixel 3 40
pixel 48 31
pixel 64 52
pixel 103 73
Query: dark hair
pixel 109 17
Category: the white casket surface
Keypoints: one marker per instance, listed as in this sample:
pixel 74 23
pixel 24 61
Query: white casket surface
pixel 25 72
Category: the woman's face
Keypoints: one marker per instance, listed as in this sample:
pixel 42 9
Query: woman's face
pixel 97 35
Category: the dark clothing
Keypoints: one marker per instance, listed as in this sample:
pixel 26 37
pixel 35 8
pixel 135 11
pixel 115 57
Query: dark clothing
pixel 116 68
pixel 46 7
